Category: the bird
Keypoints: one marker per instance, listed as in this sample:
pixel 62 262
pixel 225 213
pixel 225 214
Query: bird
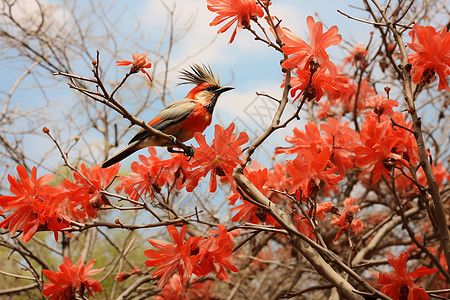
pixel 182 118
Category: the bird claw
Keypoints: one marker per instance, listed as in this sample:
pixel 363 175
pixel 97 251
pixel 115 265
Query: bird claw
pixel 189 152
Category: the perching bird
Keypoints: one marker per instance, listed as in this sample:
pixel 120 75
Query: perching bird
pixel 182 118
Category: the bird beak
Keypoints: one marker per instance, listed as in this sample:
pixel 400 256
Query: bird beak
pixel 223 89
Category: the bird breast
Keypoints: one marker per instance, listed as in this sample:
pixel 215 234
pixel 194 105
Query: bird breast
pixel 197 121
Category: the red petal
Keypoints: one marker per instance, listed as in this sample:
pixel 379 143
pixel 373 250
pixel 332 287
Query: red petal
pixel 123 63
pixel 421 272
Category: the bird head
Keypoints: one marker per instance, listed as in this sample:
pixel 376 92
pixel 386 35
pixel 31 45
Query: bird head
pixel 207 89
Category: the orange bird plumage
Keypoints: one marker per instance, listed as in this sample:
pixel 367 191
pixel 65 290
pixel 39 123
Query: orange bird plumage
pixel 182 118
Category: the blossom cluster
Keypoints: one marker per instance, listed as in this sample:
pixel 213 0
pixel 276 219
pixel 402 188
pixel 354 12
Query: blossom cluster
pixel 315 71
pixel 195 256
pixel 71 281
pixel 432 55
pixel 38 206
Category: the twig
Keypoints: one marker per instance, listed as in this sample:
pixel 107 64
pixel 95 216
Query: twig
pixel 19 289
pixel 370 22
pixel 242 243
pixel 132 288
pixel 82 227
pixel 17 276
pixel 268 96
pixel 310 289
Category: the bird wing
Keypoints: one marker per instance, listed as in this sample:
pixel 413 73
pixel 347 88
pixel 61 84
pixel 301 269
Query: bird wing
pixel 171 114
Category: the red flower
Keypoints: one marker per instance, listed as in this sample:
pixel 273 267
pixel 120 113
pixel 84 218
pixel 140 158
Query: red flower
pixel 304 226
pixel 173 290
pixel 214 255
pixel 378 154
pixel 380 106
pixel 432 54
pixel 146 178
pixel 171 258
pixel 302 140
pixel 347 93
pixel 124 275
pixel 358 54
pixel 312 87
pixel 342 140
pixel 322 209
pixel 407 143
pixel 71 281
pixel 302 53
pixel 302 223
pixel 277 179
pixel 338 137
pixel 398 284
pixel 220 158
pixel 248 212
pixel 176 169
pixel 440 173
pixel 404 184
pixel 347 217
pixel 35 206
pixel 309 171
pixel 240 11
pixel 88 194
pixel 325 110
pixel 220 228
pixel 139 62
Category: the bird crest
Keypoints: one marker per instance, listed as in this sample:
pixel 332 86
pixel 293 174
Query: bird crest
pixel 198 75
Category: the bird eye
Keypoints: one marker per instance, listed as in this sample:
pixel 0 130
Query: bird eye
pixel 210 88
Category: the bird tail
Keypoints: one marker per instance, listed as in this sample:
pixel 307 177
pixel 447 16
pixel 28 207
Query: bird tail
pixel 130 149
